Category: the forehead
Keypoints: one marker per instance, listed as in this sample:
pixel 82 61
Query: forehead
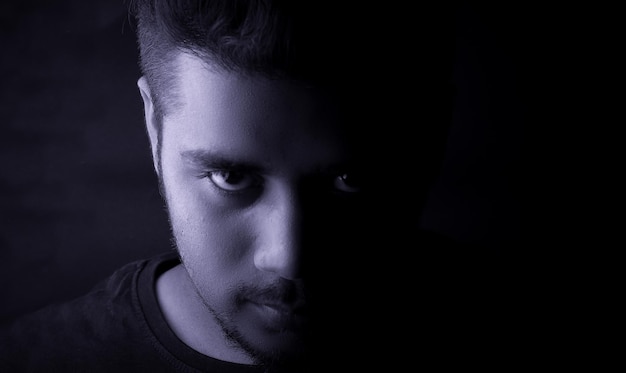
pixel 254 118
pixel 200 83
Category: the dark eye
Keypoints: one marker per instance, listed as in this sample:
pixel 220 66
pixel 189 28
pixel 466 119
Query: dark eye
pixel 233 181
pixel 347 183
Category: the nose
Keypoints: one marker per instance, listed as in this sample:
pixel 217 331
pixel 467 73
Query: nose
pixel 279 236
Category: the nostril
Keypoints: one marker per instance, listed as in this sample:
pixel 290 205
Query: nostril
pixel 281 259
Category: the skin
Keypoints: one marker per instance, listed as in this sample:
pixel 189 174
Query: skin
pixel 253 176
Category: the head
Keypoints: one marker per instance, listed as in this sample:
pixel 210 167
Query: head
pixel 294 143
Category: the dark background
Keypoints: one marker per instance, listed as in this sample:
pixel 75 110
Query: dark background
pixel 78 195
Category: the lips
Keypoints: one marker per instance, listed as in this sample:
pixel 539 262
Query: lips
pixel 289 309
pixel 286 308
pixel 277 306
pixel 280 316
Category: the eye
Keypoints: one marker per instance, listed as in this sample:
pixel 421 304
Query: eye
pixel 233 181
pixel 347 183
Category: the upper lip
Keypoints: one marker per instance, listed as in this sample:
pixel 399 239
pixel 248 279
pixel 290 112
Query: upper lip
pixel 284 307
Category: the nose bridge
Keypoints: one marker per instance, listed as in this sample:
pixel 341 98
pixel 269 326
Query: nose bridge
pixel 279 240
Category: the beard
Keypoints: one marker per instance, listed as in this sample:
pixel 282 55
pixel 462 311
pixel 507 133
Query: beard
pixel 281 291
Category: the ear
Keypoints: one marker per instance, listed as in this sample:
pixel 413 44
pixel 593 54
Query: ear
pixel 151 122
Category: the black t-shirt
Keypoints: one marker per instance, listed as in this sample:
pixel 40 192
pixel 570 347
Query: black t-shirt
pixel 116 327
pixel 448 305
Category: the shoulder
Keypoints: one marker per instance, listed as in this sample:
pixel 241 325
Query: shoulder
pixel 105 323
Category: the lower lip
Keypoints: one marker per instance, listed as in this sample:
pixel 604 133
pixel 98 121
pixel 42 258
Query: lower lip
pixel 278 319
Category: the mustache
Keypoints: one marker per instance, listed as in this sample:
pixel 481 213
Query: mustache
pixel 280 292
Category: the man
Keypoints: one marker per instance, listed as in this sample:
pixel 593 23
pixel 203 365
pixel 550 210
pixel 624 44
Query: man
pixel 294 144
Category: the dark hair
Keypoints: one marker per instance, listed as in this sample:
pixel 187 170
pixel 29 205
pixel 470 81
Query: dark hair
pixel 315 41
pixel 244 36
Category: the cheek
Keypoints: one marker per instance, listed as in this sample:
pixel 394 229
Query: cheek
pixel 205 230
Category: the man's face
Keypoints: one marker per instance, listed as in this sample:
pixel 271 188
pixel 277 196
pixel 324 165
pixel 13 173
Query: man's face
pixel 258 183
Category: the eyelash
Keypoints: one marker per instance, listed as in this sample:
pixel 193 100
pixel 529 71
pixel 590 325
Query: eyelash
pixel 346 184
pixel 337 181
pixel 253 182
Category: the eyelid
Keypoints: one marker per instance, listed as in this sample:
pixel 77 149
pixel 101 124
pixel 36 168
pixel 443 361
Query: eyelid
pixel 341 185
pixel 252 180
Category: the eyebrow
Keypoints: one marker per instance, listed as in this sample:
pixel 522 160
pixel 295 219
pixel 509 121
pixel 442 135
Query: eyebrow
pixel 208 159
pixel 211 159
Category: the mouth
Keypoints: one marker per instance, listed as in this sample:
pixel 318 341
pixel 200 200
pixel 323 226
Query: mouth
pixel 284 308
pixel 280 316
